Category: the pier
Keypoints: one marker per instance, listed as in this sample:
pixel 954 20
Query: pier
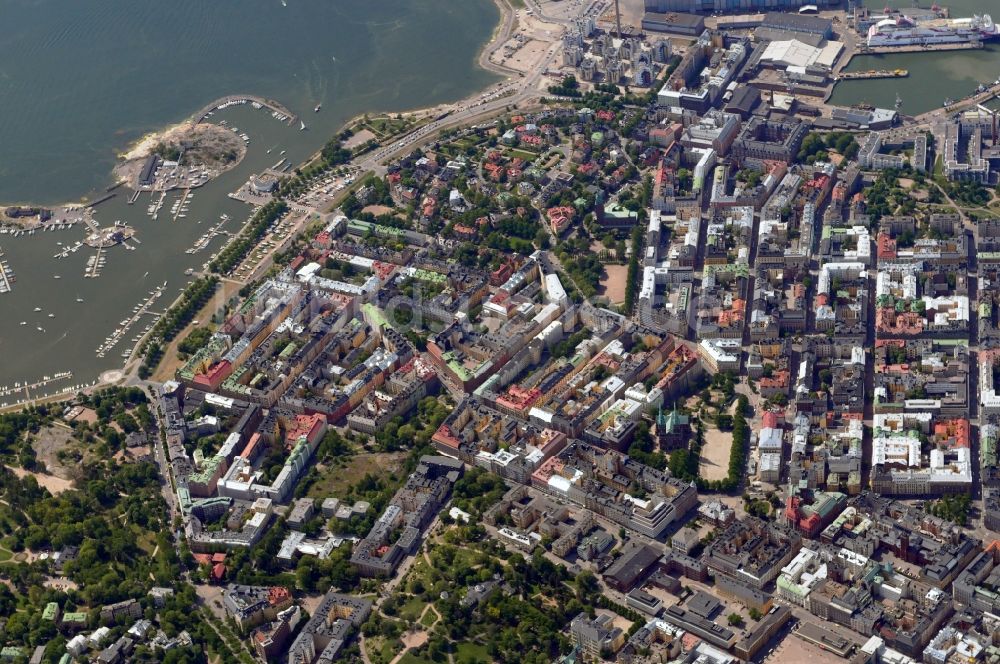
pixel 7 277
pixel 138 311
pixel 102 199
pixel 18 388
pixel 203 242
pixel 179 208
pixel 94 265
pixel 154 209
pixel 873 74
pixel 920 48
pixel 960 104
pixel 234 100
pixel 67 250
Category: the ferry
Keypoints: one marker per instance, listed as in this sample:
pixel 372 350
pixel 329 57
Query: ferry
pixel 905 31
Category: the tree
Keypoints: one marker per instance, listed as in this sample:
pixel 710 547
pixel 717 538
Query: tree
pixel 755 614
pixel 724 421
pixel 735 619
pixel 684 179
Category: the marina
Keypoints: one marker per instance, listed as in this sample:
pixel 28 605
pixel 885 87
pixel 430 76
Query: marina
pixel 94 265
pixel 278 111
pixel 202 242
pixel 26 388
pixel 179 209
pixel 119 110
pixel 138 311
pixel 7 277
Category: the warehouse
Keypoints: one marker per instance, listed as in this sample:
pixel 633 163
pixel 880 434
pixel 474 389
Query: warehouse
pixel 794 53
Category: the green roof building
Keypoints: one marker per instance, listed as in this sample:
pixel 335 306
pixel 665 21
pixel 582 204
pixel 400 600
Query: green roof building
pixel 51 612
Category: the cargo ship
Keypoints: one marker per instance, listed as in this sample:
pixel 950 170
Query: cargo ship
pixel 904 31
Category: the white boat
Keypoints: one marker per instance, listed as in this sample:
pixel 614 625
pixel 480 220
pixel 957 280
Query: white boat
pixel 38 308
pixel 24 322
pixel 903 30
pixel 52 315
pixel 56 276
pixel 302 125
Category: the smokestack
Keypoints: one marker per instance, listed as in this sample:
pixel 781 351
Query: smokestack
pixel 994 129
pixel 618 18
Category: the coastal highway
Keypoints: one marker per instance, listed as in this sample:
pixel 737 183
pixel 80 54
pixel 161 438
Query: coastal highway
pixel 512 93
pixel 516 91
pixel 500 38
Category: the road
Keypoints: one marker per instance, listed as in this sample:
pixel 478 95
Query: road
pixel 512 93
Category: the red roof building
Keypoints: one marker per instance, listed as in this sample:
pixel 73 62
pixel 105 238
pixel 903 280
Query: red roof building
pixel 560 217
pixel 517 399
pixel 952 433
pixel 212 379
pixel 444 440
pixel 311 427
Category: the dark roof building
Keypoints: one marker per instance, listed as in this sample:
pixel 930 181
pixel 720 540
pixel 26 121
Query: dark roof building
pixel 634 565
pixel 745 99
pixel 676 23
pixel 804 23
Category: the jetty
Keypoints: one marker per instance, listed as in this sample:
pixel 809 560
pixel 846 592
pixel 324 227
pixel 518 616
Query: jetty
pixel 919 48
pixel 102 199
pixel 7 277
pixel 873 74
pixel 141 309
pixel 236 100
pixel 94 265
pixel 17 388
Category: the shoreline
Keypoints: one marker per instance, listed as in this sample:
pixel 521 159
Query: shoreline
pixel 499 35
pixel 507 16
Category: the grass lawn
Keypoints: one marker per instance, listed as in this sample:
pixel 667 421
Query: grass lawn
pixel 412 608
pixel 382 650
pixel 410 658
pixel 387 126
pixel 421 570
pixel 524 154
pixel 471 652
pixel 337 478
pixel 147 542
pixel 429 618
pixel 5 555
